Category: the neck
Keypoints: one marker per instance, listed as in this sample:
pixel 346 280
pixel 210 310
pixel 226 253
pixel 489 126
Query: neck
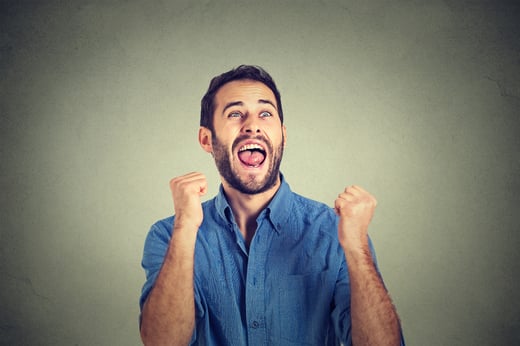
pixel 247 207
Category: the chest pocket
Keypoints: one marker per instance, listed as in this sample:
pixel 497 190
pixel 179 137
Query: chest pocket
pixel 305 303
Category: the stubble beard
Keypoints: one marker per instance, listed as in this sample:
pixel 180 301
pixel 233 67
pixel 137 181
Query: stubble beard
pixel 249 184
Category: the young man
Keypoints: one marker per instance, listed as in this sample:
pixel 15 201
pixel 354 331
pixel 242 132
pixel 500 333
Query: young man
pixel 259 264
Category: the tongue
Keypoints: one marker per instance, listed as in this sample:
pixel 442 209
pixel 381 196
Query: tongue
pixel 251 158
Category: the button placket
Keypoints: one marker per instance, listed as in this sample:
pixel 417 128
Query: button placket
pixel 255 282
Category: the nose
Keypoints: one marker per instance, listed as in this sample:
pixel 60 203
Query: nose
pixel 251 125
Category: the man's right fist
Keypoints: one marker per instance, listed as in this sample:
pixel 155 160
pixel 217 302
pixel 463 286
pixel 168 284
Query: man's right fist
pixel 186 193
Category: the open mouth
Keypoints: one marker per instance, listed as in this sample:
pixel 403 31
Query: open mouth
pixel 252 155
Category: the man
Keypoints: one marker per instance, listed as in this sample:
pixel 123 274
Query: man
pixel 259 264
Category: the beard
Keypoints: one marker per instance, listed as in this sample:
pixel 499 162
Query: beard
pixel 250 184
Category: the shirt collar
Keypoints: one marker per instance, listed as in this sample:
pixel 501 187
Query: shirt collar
pixel 277 211
pixel 222 206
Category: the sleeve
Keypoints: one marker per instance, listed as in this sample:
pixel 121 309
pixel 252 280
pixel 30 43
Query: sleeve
pixel 155 247
pixel 341 320
pixel 341 311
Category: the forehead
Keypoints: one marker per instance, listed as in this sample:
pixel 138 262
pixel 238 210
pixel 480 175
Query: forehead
pixel 243 90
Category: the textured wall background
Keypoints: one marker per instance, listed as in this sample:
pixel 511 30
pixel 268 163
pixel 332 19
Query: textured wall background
pixel 419 102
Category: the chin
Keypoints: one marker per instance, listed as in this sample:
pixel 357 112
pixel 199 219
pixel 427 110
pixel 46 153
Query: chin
pixel 256 184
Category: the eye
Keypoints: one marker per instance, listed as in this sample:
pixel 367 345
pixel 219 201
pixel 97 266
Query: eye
pixel 265 114
pixel 235 115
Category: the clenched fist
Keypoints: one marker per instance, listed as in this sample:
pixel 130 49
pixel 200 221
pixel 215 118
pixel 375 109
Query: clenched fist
pixel 355 207
pixel 186 193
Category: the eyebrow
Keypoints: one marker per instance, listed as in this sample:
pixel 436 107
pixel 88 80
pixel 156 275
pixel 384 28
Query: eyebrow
pixel 267 102
pixel 240 103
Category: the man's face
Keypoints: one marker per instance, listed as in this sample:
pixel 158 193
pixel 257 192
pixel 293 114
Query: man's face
pixel 248 138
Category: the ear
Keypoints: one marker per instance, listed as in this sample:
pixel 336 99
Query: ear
pixel 284 132
pixel 205 139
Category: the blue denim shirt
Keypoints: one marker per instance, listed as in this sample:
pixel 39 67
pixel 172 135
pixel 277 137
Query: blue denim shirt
pixel 291 286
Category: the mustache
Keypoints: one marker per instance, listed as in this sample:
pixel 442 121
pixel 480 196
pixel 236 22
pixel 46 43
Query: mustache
pixel 257 137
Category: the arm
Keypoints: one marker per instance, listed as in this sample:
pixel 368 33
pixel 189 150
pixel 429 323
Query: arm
pixel 168 316
pixel 374 318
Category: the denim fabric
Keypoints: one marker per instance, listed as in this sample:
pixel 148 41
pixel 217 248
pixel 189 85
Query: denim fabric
pixel 291 286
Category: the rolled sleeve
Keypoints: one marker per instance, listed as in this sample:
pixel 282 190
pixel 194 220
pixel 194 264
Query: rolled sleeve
pixel 155 247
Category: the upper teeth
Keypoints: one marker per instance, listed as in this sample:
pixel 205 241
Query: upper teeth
pixel 250 147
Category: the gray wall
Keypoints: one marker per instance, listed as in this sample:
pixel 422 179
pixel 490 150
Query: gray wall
pixel 416 101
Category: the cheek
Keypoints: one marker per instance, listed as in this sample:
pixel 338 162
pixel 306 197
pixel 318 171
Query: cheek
pixel 228 136
pixel 278 138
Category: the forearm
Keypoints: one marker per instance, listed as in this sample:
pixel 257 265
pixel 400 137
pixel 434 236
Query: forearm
pixel 168 316
pixel 373 315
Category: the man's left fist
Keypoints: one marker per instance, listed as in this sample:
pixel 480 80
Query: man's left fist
pixel 355 208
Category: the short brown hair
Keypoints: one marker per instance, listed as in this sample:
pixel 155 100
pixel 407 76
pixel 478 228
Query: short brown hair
pixel 242 72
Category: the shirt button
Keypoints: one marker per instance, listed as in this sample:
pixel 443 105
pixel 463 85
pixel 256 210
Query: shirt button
pixel 255 324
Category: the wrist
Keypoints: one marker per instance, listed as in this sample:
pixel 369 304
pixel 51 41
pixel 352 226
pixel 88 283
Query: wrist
pixel 182 245
pixel 356 250
pixel 185 225
pixel 184 234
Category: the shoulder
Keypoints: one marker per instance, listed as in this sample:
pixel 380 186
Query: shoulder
pixel 312 207
pixel 163 228
pixel 313 212
pixel 160 232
